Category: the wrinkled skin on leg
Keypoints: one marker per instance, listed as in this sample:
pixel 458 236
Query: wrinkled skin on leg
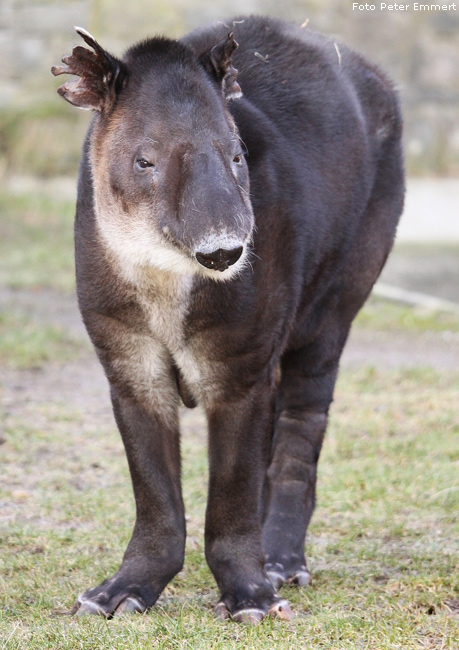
pixel 156 550
pixel 238 455
pixel 292 473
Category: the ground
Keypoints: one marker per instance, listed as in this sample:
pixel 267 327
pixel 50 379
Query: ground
pixel 383 543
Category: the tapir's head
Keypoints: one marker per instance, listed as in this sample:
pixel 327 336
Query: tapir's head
pixel 171 187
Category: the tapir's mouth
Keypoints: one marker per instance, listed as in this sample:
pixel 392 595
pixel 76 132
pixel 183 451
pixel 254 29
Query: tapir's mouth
pixel 221 259
pixel 219 255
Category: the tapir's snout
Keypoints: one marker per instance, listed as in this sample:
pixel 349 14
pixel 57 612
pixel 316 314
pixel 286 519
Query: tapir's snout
pixel 220 259
pixel 216 213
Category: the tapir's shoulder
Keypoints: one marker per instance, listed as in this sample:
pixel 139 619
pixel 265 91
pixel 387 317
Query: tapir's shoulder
pixel 284 68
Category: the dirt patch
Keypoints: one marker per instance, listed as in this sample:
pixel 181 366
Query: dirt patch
pixel 438 350
pixel 46 306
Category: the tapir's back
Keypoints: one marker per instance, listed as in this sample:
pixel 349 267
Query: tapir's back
pixel 302 80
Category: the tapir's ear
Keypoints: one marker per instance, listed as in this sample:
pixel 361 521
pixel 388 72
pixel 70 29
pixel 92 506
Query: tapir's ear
pixel 219 62
pixel 101 75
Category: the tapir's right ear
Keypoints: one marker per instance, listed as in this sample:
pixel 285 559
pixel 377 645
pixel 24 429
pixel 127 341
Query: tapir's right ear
pixel 101 76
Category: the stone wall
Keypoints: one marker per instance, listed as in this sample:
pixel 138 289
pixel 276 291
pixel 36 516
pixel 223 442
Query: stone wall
pixel 420 49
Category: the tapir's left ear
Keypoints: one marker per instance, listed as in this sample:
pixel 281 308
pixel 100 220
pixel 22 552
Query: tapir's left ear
pixel 219 62
pixel 101 76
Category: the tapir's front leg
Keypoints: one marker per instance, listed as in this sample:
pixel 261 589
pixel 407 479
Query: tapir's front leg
pixel 156 550
pixel 238 438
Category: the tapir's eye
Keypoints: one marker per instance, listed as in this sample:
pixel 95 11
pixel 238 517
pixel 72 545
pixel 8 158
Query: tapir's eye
pixel 237 159
pixel 142 164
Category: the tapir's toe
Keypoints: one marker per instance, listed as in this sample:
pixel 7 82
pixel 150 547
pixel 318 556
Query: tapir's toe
pixel 83 607
pixel 249 616
pixel 300 578
pixel 129 605
pixel 277 579
pixel 221 611
pixel 280 576
pixel 254 615
pixel 281 610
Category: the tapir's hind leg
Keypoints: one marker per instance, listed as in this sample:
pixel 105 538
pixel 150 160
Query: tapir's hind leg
pixel 305 394
pixel 308 380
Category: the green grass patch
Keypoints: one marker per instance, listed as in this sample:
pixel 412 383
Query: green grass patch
pixel 36 242
pixel 383 544
pixel 44 140
pixel 384 315
pixel 26 343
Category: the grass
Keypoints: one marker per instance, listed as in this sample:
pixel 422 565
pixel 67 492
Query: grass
pixel 36 242
pixel 383 544
pixel 382 547
pixel 44 139
pixel 387 316
pixel 26 343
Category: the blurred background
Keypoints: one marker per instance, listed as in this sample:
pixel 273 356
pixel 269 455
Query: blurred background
pixel 41 135
pixel 383 546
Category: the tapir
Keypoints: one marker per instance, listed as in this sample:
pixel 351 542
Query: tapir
pixel 238 195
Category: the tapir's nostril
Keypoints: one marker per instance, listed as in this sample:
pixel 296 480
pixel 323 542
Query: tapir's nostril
pixel 220 259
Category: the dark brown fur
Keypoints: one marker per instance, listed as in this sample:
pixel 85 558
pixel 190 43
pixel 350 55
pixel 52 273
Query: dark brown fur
pixel 163 184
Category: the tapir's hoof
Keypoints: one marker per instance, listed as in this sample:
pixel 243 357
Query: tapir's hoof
pixel 221 611
pixel 84 607
pixel 277 579
pixel 278 576
pixel 249 616
pixel 129 605
pixel 281 610
pixel 301 578
pixel 254 615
